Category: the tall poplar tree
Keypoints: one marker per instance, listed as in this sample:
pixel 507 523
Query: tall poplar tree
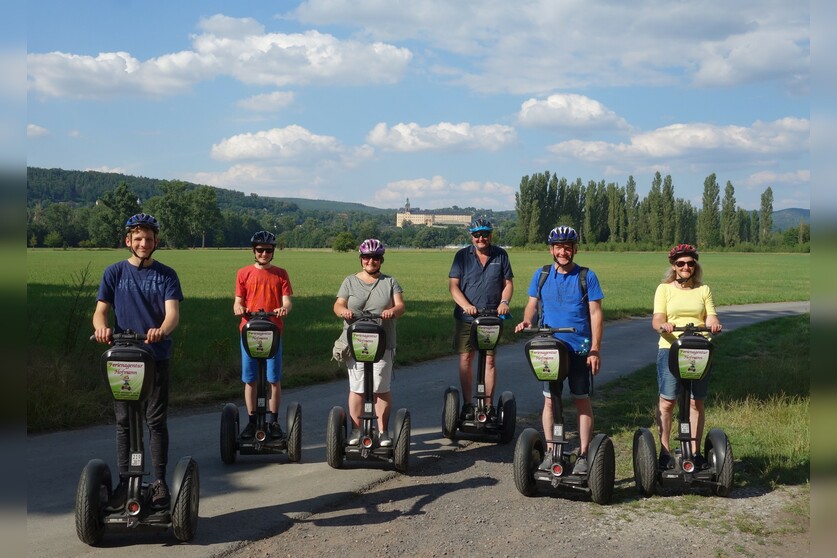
pixel 709 219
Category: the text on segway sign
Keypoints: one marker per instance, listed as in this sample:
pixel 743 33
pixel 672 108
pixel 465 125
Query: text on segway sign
pixel 692 363
pixel 125 379
pixel 545 363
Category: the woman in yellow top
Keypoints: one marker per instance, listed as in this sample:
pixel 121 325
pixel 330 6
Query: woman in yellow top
pixel 681 299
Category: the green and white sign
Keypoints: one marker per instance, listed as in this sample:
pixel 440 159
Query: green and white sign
pixel 125 379
pixel 487 336
pixel 259 343
pixel 546 363
pixel 692 363
pixel 365 346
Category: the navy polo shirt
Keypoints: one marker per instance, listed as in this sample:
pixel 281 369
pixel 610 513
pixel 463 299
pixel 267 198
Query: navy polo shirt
pixel 481 285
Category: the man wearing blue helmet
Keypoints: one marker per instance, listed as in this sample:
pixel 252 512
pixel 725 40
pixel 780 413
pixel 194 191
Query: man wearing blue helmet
pixel 480 277
pixel 570 296
pixel 145 297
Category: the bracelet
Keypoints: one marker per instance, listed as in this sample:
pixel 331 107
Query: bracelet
pixel 506 302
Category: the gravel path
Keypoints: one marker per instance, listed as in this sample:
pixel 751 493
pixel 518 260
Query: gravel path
pixel 466 504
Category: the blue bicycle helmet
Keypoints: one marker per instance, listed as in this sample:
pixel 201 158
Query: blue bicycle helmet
pixel 142 220
pixel 481 225
pixel 263 237
pixel 562 234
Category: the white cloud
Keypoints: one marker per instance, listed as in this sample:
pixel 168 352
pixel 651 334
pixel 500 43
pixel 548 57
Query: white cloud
pixel 267 102
pixel 762 140
pixel 228 47
pixel 569 111
pixel 105 168
pixel 74 133
pixel 438 192
pixel 579 43
pixel 292 143
pixel 412 137
pixel 769 178
pixel 35 131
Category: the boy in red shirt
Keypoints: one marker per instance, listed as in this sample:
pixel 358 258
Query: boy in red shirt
pixel 262 286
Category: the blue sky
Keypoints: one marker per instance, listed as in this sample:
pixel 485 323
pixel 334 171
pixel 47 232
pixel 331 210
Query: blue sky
pixel 447 103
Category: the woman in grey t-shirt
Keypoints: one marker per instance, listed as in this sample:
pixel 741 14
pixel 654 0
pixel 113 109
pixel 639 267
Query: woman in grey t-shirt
pixel 372 291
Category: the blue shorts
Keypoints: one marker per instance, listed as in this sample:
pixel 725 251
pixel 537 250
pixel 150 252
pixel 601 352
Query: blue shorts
pixel 250 366
pixel 578 378
pixel 670 386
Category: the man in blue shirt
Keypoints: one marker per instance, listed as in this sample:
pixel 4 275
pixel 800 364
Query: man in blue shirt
pixel 480 277
pixel 566 304
pixel 145 297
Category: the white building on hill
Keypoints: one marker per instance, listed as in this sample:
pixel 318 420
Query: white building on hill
pixel 430 218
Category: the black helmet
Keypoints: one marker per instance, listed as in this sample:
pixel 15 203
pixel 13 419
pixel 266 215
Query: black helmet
pixel 263 237
pixel 142 220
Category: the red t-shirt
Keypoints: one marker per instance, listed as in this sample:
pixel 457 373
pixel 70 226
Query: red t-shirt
pixel 262 289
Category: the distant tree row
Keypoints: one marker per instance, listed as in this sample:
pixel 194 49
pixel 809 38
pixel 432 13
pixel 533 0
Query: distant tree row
pixel 612 214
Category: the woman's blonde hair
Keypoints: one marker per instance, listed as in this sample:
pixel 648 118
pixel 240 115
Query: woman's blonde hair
pixel 697 277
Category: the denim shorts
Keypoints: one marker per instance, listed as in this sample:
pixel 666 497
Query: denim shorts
pixel 250 366
pixel 578 378
pixel 670 386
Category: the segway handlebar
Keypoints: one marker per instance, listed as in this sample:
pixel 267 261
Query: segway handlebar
pixel 127 336
pixel 690 328
pixel 548 330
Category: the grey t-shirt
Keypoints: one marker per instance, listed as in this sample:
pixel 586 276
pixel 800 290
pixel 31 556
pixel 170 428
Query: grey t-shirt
pixel 380 297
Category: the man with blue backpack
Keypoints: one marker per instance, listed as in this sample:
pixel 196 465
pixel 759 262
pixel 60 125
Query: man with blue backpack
pixel 565 294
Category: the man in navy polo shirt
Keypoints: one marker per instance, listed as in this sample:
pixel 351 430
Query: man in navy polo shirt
pixel 480 277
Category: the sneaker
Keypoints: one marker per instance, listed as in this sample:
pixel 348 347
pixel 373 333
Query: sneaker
pixel 580 467
pixel 119 495
pixel 159 494
pixel 384 440
pixel 700 462
pixel 467 412
pixel 491 413
pixel 275 430
pixel 546 464
pixel 354 438
pixel 665 461
pixel 249 430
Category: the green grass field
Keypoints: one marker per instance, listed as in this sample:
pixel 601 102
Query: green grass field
pixel 62 284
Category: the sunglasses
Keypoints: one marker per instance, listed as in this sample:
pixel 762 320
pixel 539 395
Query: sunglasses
pixel 373 258
pixel 262 250
pixel 481 234
pixel 681 263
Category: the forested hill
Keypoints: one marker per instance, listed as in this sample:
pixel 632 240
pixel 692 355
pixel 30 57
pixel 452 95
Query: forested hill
pixel 85 187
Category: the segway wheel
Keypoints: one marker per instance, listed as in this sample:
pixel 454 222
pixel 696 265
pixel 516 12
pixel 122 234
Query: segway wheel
pixel 336 437
pixel 184 515
pixel 645 462
pixel 94 487
pixel 602 472
pixel 508 408
pixel 450 413
pixel 294 423
pixel 229 433
pixel 724 468
pixel 401 449
pixel 528 454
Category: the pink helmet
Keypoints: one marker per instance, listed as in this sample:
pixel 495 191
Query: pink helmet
pixel 371 247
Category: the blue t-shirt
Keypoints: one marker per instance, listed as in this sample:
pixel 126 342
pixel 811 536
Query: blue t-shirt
pixel 138 297
pixel 482 286
pixel 563 306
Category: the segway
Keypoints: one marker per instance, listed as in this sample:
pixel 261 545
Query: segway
pixel 129 370
pixel 548 359
pixel 689 360
pixel 261 341
pixel 367 340
pixel 485 334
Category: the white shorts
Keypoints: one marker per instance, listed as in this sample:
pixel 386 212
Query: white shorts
pixel 382 373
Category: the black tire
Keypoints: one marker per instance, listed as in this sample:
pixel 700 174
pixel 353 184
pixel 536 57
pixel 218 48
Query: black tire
pixel 401 448
pixel 528 454
pixel 602 472
pixel 336 437
pixel 508 408
pixel 294 425
pixel 184 515
pixel 229 433
pixel 645 462
pixel 725 472
pixel 94 488
pixel 450 414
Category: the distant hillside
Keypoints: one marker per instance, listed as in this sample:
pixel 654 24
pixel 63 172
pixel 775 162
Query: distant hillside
pixel 85 187
pixel 789 218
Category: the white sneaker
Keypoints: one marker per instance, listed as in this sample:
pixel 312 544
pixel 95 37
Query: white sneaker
pixel 384 440
pixel 354 438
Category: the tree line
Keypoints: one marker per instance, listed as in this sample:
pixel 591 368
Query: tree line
pixel 89 209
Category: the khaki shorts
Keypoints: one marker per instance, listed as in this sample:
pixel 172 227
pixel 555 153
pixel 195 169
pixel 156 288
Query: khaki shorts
pixel 381 373
pixel 462 338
